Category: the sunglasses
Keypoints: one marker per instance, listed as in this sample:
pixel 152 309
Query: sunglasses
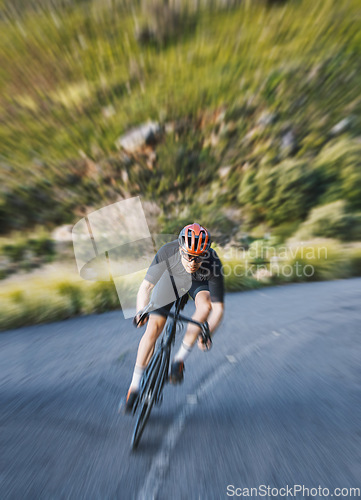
pixel 190 258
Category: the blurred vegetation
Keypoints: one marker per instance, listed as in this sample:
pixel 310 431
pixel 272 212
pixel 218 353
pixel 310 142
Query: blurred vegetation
pixel 61 294
pixel 258 104
pixel 259 115
pixel 331 221
pixel 25 251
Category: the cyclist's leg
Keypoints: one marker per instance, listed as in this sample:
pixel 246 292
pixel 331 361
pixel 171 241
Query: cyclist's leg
pixel 146 346
pixel 203 308
pixel 199 292
pixel 201 295
pixel 154 328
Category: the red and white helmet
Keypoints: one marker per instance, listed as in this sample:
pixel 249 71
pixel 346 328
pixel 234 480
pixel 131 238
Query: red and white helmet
pixel 194 239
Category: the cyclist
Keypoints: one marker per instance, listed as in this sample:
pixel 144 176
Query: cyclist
pixel 190 254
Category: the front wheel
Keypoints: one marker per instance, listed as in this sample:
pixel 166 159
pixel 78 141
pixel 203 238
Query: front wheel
pixel 146 398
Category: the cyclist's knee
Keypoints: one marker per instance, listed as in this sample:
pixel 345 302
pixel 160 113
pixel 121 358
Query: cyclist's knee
pixel 154 327
pixel 203 304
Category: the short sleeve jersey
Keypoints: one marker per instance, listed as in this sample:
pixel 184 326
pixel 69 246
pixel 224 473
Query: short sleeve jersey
pixel 210 271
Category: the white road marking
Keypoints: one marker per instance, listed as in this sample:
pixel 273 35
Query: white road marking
pixel 160 463
pixel 192 399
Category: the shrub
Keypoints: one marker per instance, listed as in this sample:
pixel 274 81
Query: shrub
pixel 339 164
pixel 75 295
pixel 354 256
pixel 327 259
pixel 15 251
pixel 103 297
pixel 331 221
pixel 280 194
pixel 164 22
pixel 38 306
pixel 284 231
pixel 237 278
pixel 42 246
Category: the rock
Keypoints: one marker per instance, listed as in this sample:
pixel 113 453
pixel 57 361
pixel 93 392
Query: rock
pixel 151 159
pixel 266 119
pixel 341 126
pixel 211 141
pixel 108 111
pixel 125 177
pixel 253 133
pixel 221 116
pixel 224 171
pixel 288 143
pixel 169 128
pixel 138 137
pixel 262 274
pixel 227 130
pixel 62 234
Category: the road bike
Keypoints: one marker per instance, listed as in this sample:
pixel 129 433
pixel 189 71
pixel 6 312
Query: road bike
pixel 156 374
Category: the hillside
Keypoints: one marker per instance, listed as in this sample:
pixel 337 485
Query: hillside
pixel 258 107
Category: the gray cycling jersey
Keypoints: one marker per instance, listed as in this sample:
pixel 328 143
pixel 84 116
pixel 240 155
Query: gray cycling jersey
pixel 210 271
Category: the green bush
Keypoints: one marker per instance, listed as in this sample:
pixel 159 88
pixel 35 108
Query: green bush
pixel 103 297
pixel 75 295
pixel 42 246
pixel 280 194
pixel 90 81
pixel 354 256
pixel 238 277
pixel 339 164
pixel 331 221
pixel 284 231
pixel 24 308
pixel 326 260
pixel 164 22
pixel 15 251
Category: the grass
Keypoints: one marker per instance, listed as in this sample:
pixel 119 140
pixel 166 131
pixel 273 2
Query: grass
pixel 64 69
pixel 233 83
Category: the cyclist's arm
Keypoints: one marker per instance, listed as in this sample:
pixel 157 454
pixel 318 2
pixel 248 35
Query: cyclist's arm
pixel 216 288
pixel 216 316
pixel 144 295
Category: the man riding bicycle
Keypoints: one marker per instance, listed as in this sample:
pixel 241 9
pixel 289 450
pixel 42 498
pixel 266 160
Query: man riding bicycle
pixel 190 255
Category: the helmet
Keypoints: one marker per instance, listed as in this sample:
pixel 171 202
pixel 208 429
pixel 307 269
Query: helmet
pixel 194 239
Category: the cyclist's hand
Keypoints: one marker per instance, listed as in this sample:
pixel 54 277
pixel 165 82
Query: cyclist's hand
pixel 204 346
pixel 141 323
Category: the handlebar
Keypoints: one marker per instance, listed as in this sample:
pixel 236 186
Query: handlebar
pixel 204 327
pixel 143 314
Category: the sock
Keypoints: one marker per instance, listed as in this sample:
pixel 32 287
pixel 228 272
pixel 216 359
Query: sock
pixel 183 353
pixel 137 375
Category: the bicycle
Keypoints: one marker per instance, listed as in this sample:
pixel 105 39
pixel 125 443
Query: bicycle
pixel 156 373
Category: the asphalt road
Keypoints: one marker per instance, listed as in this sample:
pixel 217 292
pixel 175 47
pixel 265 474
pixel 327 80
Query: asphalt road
pixel 276 402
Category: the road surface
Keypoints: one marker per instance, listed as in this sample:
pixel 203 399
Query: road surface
pixel 276 402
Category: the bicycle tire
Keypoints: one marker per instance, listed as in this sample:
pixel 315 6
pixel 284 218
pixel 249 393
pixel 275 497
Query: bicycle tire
pixel 145 379
pixel 163 374
pixel 147 399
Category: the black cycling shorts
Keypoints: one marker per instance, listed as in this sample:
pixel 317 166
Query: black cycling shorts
pixel 197 286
